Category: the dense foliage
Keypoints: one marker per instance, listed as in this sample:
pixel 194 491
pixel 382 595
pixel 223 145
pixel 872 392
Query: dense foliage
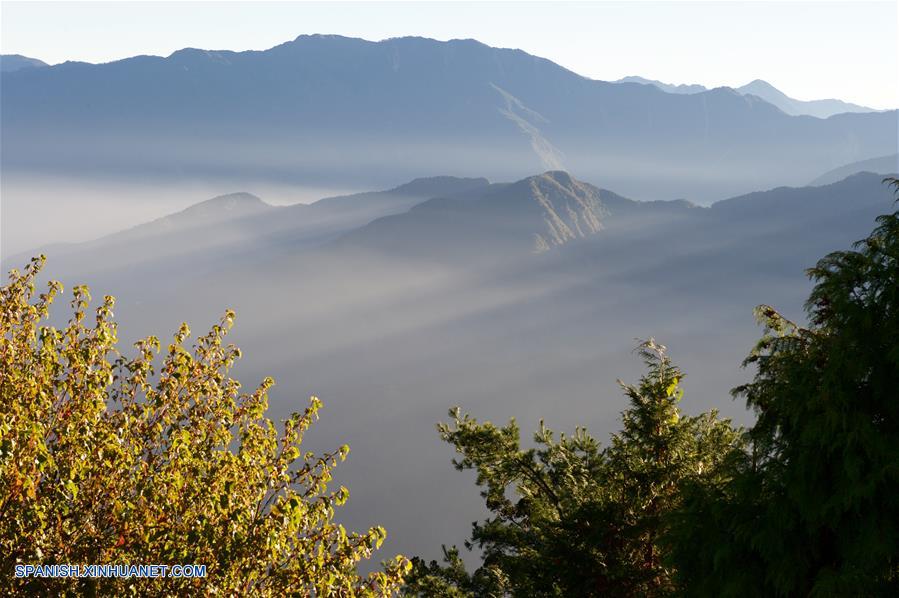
pixel 109 460
pixel 570 518
pixel 813 508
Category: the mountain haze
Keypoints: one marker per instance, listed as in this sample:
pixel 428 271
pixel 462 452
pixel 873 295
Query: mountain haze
pixel 882 165
pixel 446 302
pixel 241 223
pixel 818 108
pixel 519 226
pixel 212 211
pixel 767 92
pixel 323 108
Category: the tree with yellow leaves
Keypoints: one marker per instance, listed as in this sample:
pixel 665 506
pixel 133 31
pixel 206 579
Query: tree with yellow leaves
pixel 107 459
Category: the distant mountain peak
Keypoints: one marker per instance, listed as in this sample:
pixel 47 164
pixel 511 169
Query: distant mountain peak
pixel 562 208
pixel 571 209
pixel 197 217
pixel 882 165
pixel 440 185
pixel 824 108
pixel 16 62
pixel 221 207
pixel 231 201
pixel 766 92
pixel 684 88
pixel 320 36
pixel 560 176
pixel 197 56
pixel 536 213
pixel 760 83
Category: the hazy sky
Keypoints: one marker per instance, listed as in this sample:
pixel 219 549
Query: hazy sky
pixel 808 49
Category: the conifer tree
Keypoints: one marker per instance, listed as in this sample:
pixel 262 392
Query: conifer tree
pixel 570 518
pixel 813 507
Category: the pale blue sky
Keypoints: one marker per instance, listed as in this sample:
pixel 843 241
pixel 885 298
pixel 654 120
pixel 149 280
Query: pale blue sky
pixel 809 49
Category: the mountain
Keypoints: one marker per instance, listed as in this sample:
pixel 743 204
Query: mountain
pixel 213 224
pixel 666 87
pixel 206 213
pixel 882 165
pixel 767 92
pixel 532 215
pixel 16 62
pixel 818 108
pixel 240 223
pixel 374 204
pixel 322 109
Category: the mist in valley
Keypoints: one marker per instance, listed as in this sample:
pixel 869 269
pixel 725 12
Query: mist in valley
pixel 39 209
pixel 393 314
pixel 410 225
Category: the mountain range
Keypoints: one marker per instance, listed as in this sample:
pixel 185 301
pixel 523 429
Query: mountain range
pixel 653 212
pixel 767 92
pixel 324 108
pixel 241 222
pixel 395 305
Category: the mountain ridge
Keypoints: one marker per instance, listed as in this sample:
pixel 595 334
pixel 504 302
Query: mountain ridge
pixel 243 219
pixel 531 215
pixel 292 114
pixel 823 108
pixel 883 165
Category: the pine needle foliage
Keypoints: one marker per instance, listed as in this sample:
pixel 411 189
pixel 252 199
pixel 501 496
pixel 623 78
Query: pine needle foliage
pixel 570 518
pixel 812 508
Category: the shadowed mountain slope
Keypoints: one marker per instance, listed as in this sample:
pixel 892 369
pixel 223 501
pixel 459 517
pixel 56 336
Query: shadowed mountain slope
pixel 533 214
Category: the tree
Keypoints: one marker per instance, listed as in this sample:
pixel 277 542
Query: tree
pixel 108 460
pixel 573 519
pixel 812 507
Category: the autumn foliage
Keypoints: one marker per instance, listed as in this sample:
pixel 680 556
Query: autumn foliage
pixel 114 459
